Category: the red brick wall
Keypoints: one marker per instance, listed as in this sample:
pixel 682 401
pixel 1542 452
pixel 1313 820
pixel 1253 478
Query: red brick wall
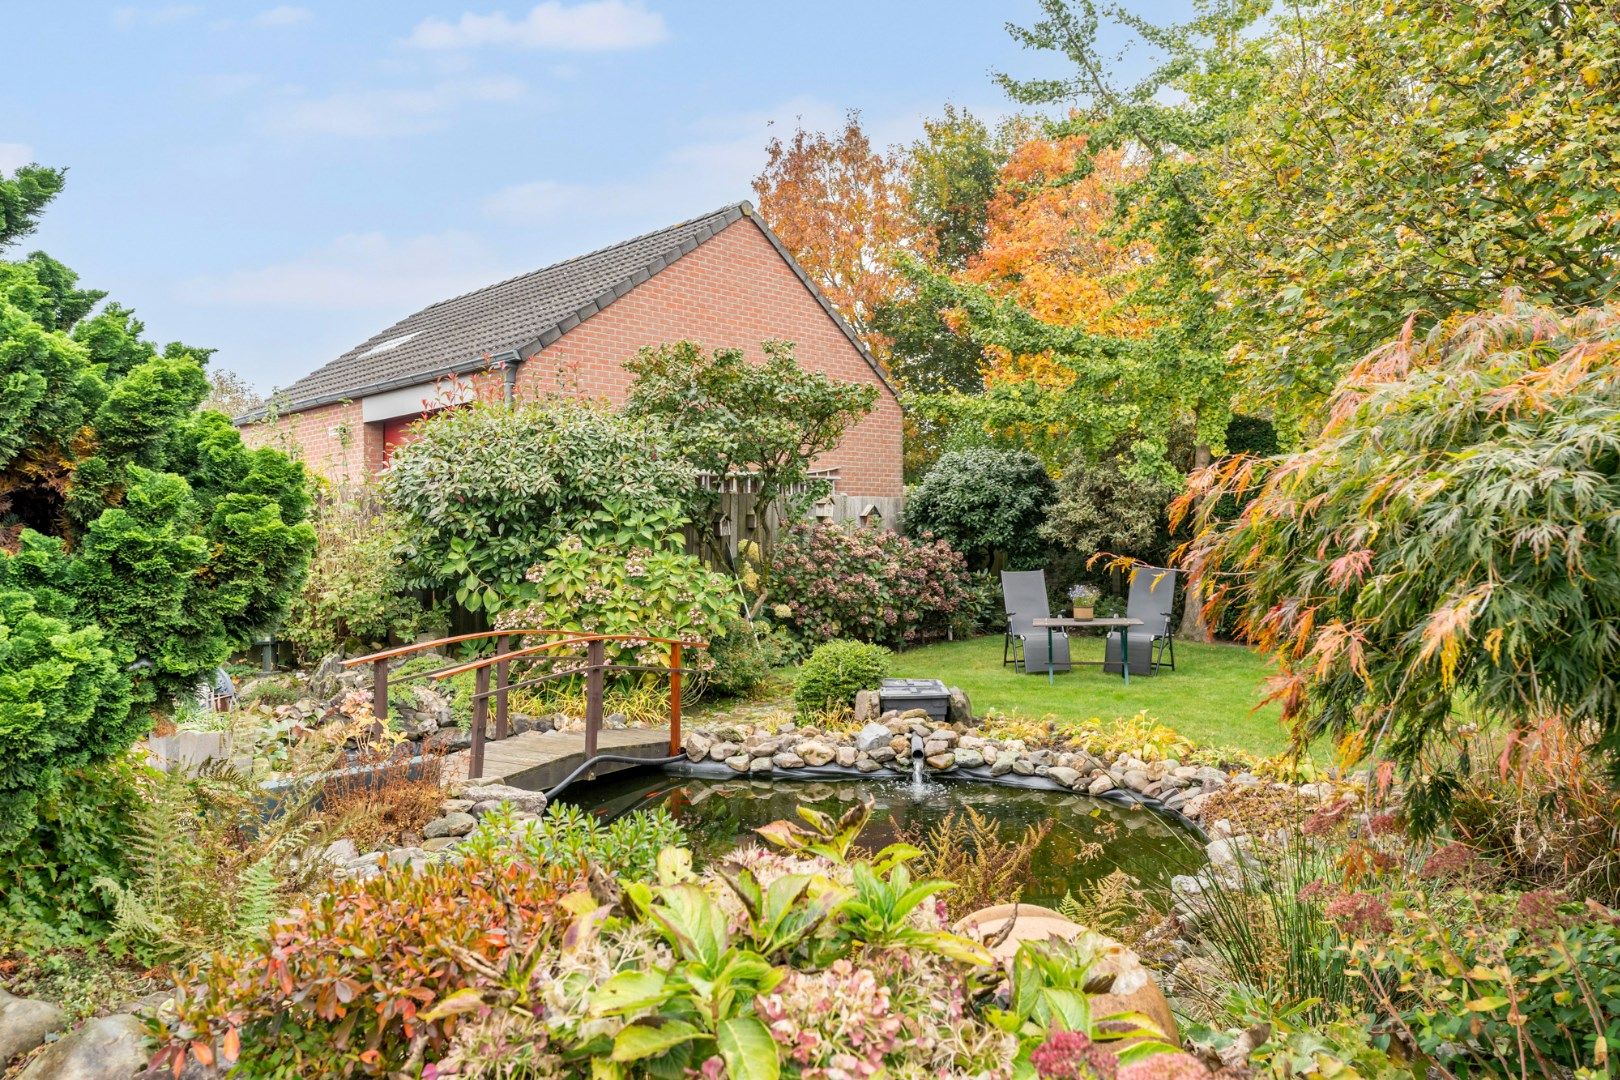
pixel 733 291
pixel 330 440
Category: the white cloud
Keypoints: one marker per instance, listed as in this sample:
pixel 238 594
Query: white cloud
pixel 360 271
pixel 592 26
pixel 125 17
pixel 713 169
pixel 283 15
pixel 14 155
pixel 378 113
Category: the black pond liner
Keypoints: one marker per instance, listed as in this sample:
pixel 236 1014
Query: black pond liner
pixel 681 765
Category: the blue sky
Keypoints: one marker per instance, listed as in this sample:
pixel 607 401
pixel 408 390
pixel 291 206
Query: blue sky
pixel 279 181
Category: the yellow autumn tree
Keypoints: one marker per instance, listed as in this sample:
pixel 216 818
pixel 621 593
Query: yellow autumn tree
pixel 1046 247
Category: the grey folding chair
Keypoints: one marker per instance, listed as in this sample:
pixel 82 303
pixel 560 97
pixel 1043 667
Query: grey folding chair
pixel 1152 599
pixel 1023 593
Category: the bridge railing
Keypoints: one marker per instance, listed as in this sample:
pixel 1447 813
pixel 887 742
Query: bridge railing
pixel 565 664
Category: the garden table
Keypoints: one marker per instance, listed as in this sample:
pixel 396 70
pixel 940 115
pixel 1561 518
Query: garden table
pixel 1052 625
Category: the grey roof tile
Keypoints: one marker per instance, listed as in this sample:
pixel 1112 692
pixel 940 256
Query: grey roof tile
pixel 510 317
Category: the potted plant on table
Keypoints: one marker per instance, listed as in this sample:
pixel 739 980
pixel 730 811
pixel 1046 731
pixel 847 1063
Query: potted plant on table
pixel 1083 597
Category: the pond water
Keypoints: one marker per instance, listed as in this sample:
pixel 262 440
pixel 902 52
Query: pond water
pixel 1089 838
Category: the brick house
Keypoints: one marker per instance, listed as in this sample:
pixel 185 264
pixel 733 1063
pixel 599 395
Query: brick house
pixel 723 280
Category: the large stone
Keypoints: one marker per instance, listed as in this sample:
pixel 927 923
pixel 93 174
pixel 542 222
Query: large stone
pixel 721 751
pixel 1100 783
pixel 1136 780
pixel 337 852
pixel 868 705
pixel 968 758
pixel 759 765
pixel 787 759
pixel 960 710
pixel 846 755
pixel 1064 775
pixel 941 761
pixel 107 1048
pixel 935 747
pixel 448 739
pixel 24 1023
pixel 532 801
pixel 881 754
pixel 1003 763
pixel 872 736
pixel 1023 766
pixel 867 765
pixel 814 752
pixel 698 745
pixel 1210 777
pixel 439 843
pixel 738 762
pixel 323 683
pixel 457 824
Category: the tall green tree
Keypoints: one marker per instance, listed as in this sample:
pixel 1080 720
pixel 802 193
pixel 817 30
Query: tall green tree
pixel 140 541
pixel 1415 158
pixel 729 416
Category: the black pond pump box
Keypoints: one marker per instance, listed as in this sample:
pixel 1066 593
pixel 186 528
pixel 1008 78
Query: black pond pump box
pixel 928 695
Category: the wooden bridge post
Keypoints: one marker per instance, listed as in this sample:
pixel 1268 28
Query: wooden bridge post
pixel 675 699
pixel 379 690
pixel 596 661
pixel 480 718
pixel 501 679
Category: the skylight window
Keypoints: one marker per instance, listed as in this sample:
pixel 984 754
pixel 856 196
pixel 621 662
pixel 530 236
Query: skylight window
pixel 391 343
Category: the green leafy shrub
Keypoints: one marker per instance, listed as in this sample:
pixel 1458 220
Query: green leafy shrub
pixel 48 886
pixel 740 657
pixel 729 415
pixel 1115 505
pixel 867 584
pixel 987 504
pixel 141 542
pixel 625 572
pixel 1517 985
pixel 1488 570
pixel 485 491
pixel 355 595
pixel 567 836
pixel 834 673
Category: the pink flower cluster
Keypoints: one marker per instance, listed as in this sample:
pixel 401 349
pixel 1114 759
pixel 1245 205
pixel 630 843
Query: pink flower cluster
pixel 834 1024
pixel 867 584
pixel 1072 1055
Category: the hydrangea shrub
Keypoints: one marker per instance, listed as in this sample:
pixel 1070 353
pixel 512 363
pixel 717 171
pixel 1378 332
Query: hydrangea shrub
pixel 867 584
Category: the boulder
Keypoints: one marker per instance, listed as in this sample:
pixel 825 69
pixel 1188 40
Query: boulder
pixel 720 751
pixel 881 754
pixel 935 747
pixel 868 706
pixel 968 758
pixel 698 745
pixel 439 843
pixel 815 752
pixel 872 736
pixel 759 765
pixel 457 824
pixel 1132 989
pixel 845 756
pixel 323 681
pixel 338 852
pixel 1136 780
pixel 786 759
pixel 867 765
pixel 1100 783
pixel 532 801
pixel 106 1048
pixel 24 1023
pixel 738 762
pixel 1210 777
pixel 942 761
pixel 448 739
pixel 1064 775
pixel 1003 764
pixel 1023 766
pixel 960 710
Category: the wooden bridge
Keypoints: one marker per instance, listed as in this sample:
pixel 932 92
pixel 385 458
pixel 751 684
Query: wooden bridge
pixel 533 755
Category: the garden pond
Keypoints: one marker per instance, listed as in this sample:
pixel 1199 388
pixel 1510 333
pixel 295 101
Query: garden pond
pixel 1090 838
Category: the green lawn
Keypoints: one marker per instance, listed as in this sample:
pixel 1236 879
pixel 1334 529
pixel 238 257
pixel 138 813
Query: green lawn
pixel 1210 698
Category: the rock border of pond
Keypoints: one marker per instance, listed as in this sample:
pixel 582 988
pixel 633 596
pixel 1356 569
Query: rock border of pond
pixel 711 770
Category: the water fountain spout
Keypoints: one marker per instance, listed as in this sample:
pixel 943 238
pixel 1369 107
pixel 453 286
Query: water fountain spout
pixel 918 784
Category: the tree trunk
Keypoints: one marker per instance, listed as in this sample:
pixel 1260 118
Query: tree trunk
pixel 1192 614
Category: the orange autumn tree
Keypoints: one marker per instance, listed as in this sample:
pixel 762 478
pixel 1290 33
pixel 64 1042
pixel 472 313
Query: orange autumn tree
pixel 842 208
pixel 1047 249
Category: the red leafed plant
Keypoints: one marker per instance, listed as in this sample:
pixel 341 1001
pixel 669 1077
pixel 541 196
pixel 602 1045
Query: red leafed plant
pixel 348 984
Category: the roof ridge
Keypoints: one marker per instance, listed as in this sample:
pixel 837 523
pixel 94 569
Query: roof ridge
pixel 575 258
